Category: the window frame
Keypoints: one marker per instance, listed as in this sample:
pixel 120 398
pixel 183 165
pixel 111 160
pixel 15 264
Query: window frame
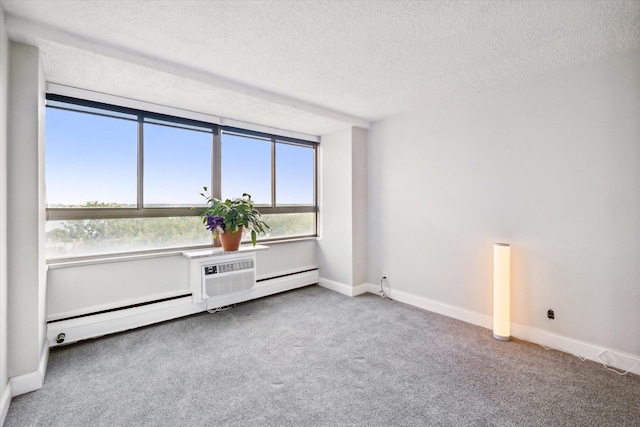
pixel 215 186
pixel 274 139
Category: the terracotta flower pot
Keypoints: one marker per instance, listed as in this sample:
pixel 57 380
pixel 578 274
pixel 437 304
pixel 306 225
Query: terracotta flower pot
pixel 231 241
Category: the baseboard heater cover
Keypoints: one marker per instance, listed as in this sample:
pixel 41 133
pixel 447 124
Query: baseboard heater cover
pixel 92 326
pixel 155 301
pixel 287 274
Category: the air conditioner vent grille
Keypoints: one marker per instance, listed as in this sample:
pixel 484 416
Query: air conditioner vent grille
pixel 226 277
pixel 228 267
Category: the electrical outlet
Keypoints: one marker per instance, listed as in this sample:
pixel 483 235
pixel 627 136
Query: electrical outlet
pixel 551 314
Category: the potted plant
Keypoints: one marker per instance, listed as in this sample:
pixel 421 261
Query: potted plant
pixel 228 219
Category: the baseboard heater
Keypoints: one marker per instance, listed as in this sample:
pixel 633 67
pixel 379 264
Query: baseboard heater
pixel 103 322
pixel 313 271
pixel 125 307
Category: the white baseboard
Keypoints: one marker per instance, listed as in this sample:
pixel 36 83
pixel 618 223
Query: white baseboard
pixel 360 289
pixel 611 357
pixel 342 288
pixel 436 306
pixel 33 380
pixel 26 383
pixel 5 401
pixel 336 286
pixel 44 359
pixel 616 359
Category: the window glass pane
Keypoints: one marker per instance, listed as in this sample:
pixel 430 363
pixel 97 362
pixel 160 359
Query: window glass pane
pixel 246 168
pixel 287 225
pixel 177 164
pixel 180 124
pixel 294 174
pixel 101 236
pixel 95 110
pixel 90 158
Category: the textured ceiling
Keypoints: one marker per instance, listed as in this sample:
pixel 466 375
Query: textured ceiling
pixel 313 67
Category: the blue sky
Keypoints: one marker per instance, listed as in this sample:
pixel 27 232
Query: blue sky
pixel 93 158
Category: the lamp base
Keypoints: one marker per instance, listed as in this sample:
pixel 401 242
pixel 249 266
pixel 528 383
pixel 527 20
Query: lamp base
pixel 500 337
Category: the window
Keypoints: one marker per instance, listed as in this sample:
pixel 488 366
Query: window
pixel 294 175
pixel 102 153
pixel 176 162
pixel 246 167
pixel 123 180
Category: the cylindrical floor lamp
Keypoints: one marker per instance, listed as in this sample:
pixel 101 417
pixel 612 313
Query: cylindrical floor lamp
pixel 501 291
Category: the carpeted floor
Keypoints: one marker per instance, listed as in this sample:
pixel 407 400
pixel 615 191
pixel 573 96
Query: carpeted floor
pixel 313 357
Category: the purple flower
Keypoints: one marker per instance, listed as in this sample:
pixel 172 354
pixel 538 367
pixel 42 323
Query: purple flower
pixel 215 224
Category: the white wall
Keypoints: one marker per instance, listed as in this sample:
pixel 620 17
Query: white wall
pixel 359 204
pixel 25 211
pixel 335 257
pixel 4 65
pixel 551 166
pixel 343 207
pixel 83 289
pixel 90 288
pixel 284 258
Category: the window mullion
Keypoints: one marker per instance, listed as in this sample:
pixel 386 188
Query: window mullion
pixel 273 171
pixel 140 203
pixel 315 189
pixel 216 164
pixel 65 214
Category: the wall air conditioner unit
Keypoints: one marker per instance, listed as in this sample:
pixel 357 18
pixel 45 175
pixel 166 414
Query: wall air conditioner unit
pixel 227 277
pixel 219 276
